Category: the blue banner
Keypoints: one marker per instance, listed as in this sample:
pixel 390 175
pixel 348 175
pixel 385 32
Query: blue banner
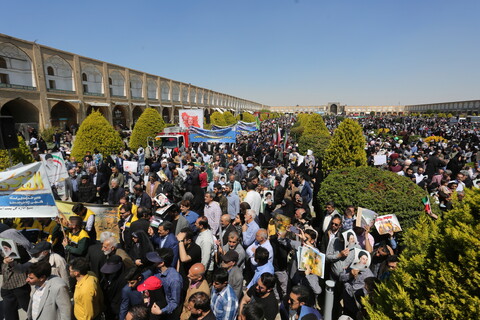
pixel 227 135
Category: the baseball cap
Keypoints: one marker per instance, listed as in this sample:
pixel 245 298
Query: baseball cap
pixel 41 246
pixel 151 283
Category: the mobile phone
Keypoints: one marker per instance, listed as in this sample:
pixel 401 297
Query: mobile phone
pixel 294 230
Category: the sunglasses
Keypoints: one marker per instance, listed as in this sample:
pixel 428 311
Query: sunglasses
pixel 336 224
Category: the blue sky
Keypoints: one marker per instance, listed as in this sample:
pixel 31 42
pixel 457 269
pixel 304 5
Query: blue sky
pixel 275 52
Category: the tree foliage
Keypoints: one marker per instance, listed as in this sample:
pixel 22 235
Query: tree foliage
pixel 217 119
pixel 317 143
pixel 47 133
pixel 229 118
pixel 148 125
pixel 248 117
pixel 438 275
pixel 21 154
pixel 314 125
pixel 347 147
pixel 381 191
pixel 96 132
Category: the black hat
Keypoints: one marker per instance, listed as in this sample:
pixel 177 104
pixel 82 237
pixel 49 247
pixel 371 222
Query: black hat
pixel 231 255
pixel 154 257
pixel 84 177
pixel 40 247
pixel 113 264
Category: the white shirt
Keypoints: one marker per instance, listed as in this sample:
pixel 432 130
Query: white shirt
pixel 36 298
pixel 254 199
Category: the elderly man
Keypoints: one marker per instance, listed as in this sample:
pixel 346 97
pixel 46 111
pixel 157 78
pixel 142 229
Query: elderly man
pixel 115 193
pixel 110 248
pixel 250 228
pixel 261 240
pixel 226 227
pixel 197 283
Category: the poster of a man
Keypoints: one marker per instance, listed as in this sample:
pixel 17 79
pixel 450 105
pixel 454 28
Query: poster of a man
pixel 361 260
pixel 9 248
pixel 350 238
pixel 191 118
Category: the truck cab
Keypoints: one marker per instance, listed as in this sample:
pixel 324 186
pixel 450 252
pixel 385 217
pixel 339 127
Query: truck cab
pixel 172 137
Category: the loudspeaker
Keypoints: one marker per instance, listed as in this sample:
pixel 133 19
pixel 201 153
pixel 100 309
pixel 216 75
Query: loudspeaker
pixel 8 134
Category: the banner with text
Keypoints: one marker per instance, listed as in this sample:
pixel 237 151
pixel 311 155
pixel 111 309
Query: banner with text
pixel 25 192
pixel 227 135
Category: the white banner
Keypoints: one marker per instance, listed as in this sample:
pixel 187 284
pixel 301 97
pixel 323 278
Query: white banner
pixel 190 118
pixel 26 192
pixel 130 166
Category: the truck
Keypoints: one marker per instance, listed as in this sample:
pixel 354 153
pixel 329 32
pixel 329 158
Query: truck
pixel 172 137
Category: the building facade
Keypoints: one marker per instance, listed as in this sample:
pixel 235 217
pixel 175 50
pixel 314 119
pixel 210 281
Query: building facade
pixel 42 86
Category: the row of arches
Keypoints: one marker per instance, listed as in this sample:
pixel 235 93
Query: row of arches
pixel 64 114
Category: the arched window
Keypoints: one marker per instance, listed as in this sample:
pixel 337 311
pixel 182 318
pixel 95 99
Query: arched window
pixel 110 82
pixel 50 71
pixel 3 63
pixel 84 77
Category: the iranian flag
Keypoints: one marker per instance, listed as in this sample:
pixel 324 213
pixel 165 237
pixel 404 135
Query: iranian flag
pixel 428 207
pixel 277 135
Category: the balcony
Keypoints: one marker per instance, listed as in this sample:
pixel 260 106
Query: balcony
pixel 95 94
pixel 60 91
pixel 17 86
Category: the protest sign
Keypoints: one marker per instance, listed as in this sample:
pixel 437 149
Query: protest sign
pixel 106 217
pixel 361 260
pixel 25 192
pixel 350 238
pixel 379 159
pixel 312 259
pixel 386 224
pixel 130 166
pixel 54 167
pixel 190 118
pixel 9 248
pixel 365 217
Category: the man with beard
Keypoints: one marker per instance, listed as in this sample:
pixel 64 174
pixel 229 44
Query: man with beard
pixel 234 244
pixel 262 294
pixel 235 276
pixel 42 252
pixel 109 248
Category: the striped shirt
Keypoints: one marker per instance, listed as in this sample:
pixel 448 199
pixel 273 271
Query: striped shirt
pixel 224 304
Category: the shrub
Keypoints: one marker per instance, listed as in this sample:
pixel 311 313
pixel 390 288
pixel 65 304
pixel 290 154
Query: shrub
pixel 435 139
pixel 217 119
pixel 315 126
pixel 96 132
pixel 382 191
pixel 438 275
pixel 47 133
pixel 229 118
pixel 248 117
pixel 317 143
pixel 347 147
pixel 21 154
pixel 148 125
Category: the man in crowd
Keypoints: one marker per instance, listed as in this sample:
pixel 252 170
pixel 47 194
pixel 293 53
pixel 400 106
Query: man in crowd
pixel 224 302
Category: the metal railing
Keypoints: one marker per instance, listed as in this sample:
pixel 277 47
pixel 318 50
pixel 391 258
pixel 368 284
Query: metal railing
pixel 60 91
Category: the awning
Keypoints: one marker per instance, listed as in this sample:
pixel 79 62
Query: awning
pixel 139 104
pixel 250 112
pixel 153 105
pixel 167 106
pixel 187 107
pixel 218 109
pixel 121 103
pixel 72 101
pixel 98 104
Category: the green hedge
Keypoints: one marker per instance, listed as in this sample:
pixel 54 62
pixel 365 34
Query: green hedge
pixel 148 125
pixel 382 191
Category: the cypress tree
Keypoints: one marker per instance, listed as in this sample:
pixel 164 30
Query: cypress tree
pixel 438 274
pixel 148 125
pixel 315 125
pixel 347 147
pixel 248 117
pixel 96 132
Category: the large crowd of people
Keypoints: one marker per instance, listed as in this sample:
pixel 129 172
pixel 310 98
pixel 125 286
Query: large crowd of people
pixel 196 236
